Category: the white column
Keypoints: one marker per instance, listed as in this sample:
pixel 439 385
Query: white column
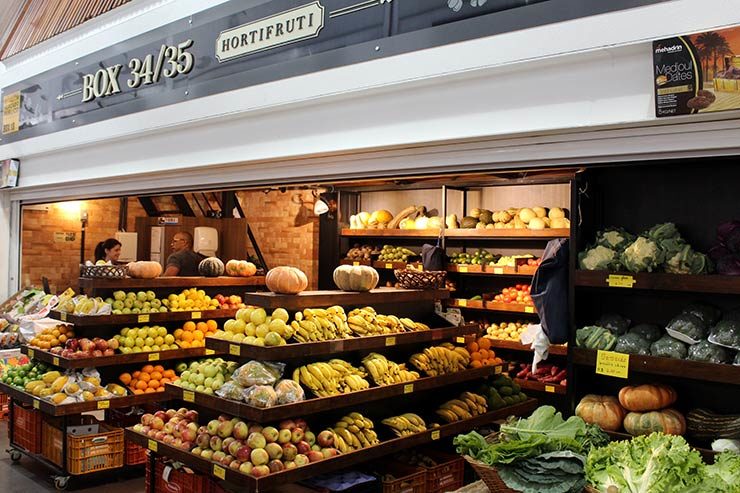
pixel 6 285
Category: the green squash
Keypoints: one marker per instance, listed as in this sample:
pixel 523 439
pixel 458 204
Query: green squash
pixel 668 421
pixel 211 267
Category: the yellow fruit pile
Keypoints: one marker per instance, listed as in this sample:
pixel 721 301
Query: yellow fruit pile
pixel 52 337
pixel 192 299
pixel 71 388
pixel 507 331
pixel 145 339
pixel 194 334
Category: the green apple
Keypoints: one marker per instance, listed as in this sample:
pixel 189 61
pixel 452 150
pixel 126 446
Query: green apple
pixel 281 314
pixel 258 316
pixel 141 296
pixel 150 295
pixel 119 295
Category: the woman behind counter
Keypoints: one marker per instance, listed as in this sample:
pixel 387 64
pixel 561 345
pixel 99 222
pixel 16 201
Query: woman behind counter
pixel 108 251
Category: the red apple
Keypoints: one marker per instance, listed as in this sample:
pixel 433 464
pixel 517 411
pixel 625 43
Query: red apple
pixel 297 435
pixel 301 423
pixel 218 455
pixel 235 465
pixel 256 440
pixel 270 433
pixel 276 465
pixel 315 456
pixel 97 353
pixel 109 352
pixel 227 460
pixel 287 424
pixel 289 451
pixel 274 450
pixel 260 471
pixel 244 453
pixel 255 428
pixel 303 447
pixel 207 454
pixel 329 452
pixel 203 440
pixel 241 430
pixel 289 464
pixel 215 443
pixel 186 445
pixel 325 438
pixel 146 419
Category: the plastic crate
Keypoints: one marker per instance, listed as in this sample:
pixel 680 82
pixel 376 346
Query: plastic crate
pixel 409 479
pixel 27 428
pixel 447 475
pixel 177 482
pixel 135 454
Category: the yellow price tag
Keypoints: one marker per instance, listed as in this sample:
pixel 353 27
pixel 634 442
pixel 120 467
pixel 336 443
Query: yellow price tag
pixel 210 352
pixel 460 340
pixel 497 369
pixel 142 319
pixel 235 350
pixel 355 263
pixel 31 353
pixel 153 356
pixel 612 364
pixel 151 445
pixel 462 268
pixel 64 316
pixel 195 315
pixel 498 270
pixel 36 403
pixel 617 281
pixel 549 388
pixel 528 309
pixel 408 388
pixel 55 361
pixel 188 396
pixel 219 471
pixel 436 434
pixel 390 341
pixel 462 302
pixel 388 266
pixel 103 404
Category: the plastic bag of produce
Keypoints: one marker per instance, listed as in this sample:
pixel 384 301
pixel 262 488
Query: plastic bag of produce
pixel 595 337
pixel 737 359
pixel 614 322
pixel 289 391
pixel 711 353
pixel 632 343
pixel 709 314
pixel 649 331
pixel 260 396
pixel 258 373
pixel 668 347
pixel 687 327
pixel 726 333
pixel 231 390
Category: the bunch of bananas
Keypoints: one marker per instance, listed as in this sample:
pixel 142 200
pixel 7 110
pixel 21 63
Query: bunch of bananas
pixel 405 424
pixel 321 324
pixel 331 378
pixel 467 406
pixel 386 372
pixel 367 322
pixel 439 360
pixel 354 432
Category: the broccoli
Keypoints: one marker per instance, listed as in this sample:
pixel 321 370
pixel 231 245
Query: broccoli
pixel 706 351
pixel 649 331
pixel 668 347
pixel 689 325
pixel 726 333
pixel 632 343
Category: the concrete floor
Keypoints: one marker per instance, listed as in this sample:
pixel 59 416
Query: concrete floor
pixel 29 476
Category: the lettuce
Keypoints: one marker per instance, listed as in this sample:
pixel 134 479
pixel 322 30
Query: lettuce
pixel 642 255
pixel 721 477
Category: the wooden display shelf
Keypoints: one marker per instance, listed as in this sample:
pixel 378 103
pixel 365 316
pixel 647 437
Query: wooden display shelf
pixel 47 407
pixel 316 299
pixel 349 261
pixel 323 404
pixel 507 234
pixel 116 359
pixel 491 306
pixel 707 454
pixel 382 264
pixel 555 349
pixel 548 388
pixel 681 368
pixel 326 348
pixel 170 282
pixel 275 480
pixel 141 318
pixel 708 283
pixel 397 233
pixel 486 270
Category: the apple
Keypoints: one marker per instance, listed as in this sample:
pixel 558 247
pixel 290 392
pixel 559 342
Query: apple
pixel 227 460
pixel 260 471
pixel 146 419
pixel 289 464
pixel 315 447
pixel 287 424
pixel 207 454
pixel 196 451
pixel 325 438
pixel 225 429
pixel 162 415
pixel 159 435
pixel 151 433
pixel 182 412
pixel 66 353
pixel 241 430
pixel 188 434
pixel 169 439
pixel 270 433
pixel 329 452
pixel 72 344
pixel 233 447
pixel 255 428
pixel 309 437
pixel 301 423
pixel 113 344
pixel 244 453
pixel 171 413
pixel 215 443
pixel 169 428
pixel 213 426
pixel 289 451
pixel 192 415
pixel 202 429
pixel 186 445
pixel 276 465
pixel 86 345
pixel 259 457
pixel 301 460
pixel 297 435
pixel 274 450
pixel 138 427
pixel 176 442
pixel 145 429
pixel 284 436
pixel 109 352
pixel 97 353
pixel 246 468
pixel 218 455
pixel 203 440
pixel 224 417
pixel 235 464
pixel 157 423
pixel 315 456
pixel 303 447
pixel 256 440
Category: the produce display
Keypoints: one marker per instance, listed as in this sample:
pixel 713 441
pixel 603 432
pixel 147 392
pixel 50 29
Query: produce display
pixel 83 305
pixel 18 376
pixel 412 217
pixel 501 391
pixel 545 373
pixel 192 334
pixel 390 253
pixel 74 386
pixel 385 372
pixel 52 337
pixel 231 302
pixel 190 300
pixel 10 335
pixel 149 379
pixel 660 248
pixel 405 424
pixel 506 331
pixel 206 375
pixel 211 267
pixel 362 252
pixel 481 353
pixel 516 218
pixel 355 277
pixel 286 280
pixel 145 339
pixel 707 425
pixel 331 378
pixel 439 360
pixel 126 303
pixel 240 268
pixel 726 252
pixel 466 406
pixel 354 432
pixel 87 348
pixel 478 257
pixel 516 295
pixel 602 410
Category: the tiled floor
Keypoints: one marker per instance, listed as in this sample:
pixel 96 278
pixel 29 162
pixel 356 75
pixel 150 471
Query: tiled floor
pixel 27 476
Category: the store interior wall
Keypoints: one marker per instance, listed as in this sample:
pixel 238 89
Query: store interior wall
pixel 5 281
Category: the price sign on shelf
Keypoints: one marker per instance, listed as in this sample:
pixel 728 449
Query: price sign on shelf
pixel 235 350
pixel 408 388
pixel 55 361
pixel 103 404
pixel 63 316
pixel 195 315
pixel 528 309
pixel 498 270
pixel 355 263
pixel 210 352
pixel 151 445
pixel 388 266
pixel 462 268
pixel 460 339
pixel 219 471
pixel 617 281
pixel 188 396
pixel 390 341
pixel 549 388
pixel 31 354
pixel 612 364
pixel 436 434
pixel 36 403
pixel 153 356
pixel 142 319
pixel 462 302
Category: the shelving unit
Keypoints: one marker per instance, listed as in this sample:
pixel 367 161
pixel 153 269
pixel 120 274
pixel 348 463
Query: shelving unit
pixel 92 285
pixel 116 359
pixel 460 233
pixel 491 306
pixel 656 281
pixel 541 387
pixel 315 299
pixel 143 318
pixel 555 349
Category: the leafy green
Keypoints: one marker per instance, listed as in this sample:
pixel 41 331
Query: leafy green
pixel 599 257
pixel 654 463
pixel 684 260
pixel 545 420
pixel 554 472
pixel 663 231
pixel 721 477
pixel 642 255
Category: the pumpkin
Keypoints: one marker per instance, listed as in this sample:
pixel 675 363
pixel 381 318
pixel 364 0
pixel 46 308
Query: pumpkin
pixel 355 277
pixel 211 267
pixel 144 269
pixel 286 280
pixel 240 268
pixel 647 397
pixel 668 421
pixel 602 410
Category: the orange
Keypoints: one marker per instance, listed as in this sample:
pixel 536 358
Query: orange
pixel 169 374
pixel 136 374
pixel 145 377
pixel 159 368
pixel 187 336
pixel 133 383
pixel 178 333
pixel 198 335
pixel 149 390
pixel 138 391
pixel 184 344
pixel 475 356
pixel 141 385
pixel 160 389
pixel 125 378
pixel 483 354
pixel 189 326
pixel 164 381
pixel 472 347
pixel 153 384
pixel 147 369
pixel 202 326
pixel 475 364
pixel 212 325
pixel 484 343
pixel 156 375
pixel 487 362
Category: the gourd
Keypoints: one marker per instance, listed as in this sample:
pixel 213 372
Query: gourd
pixel 647 397
pixel 240 268
pixel 144 269
pixel 355 278
pixel 286 280
pixel 211 267
pixel 668 421
pixel 603 410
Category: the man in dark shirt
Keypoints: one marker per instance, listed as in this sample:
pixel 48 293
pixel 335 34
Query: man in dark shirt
pixel 183 261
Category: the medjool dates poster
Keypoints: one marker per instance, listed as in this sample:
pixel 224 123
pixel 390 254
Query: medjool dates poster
pixel 697 73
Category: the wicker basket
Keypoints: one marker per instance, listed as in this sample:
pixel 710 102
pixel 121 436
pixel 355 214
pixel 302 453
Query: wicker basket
pixel 104 271
pixel 421 279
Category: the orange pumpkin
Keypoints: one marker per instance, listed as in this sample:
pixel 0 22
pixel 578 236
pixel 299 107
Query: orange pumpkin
pixel 647 397
pixel 144 269
pixel 668 421
pixel 286 280
pixel 602 410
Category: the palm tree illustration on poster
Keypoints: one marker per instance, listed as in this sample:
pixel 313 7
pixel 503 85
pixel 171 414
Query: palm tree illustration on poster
pixel 719 57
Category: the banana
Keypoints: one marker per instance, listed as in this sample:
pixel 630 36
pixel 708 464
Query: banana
pixel 447 415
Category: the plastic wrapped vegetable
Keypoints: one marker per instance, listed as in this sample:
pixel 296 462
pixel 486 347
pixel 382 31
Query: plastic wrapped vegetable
pixel 726 333
pixel 632 343
pixel 258 373
pixel 736 361
pixel 594 337
pixel 709 314
pixel 728 235
pixel 711 353
pixel 231 390
pixel 689 325
pixel 642 255
pixel 614 322
pixel 260 396
pixel 616 239
pixel 599 257
pixel 668 347
pixel 289 391
pixel 649 331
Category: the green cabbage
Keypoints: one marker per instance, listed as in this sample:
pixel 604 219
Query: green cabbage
pixel 599 257
pixel 642 255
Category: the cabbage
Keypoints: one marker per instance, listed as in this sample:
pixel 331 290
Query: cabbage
pixel 649 331
pixel 706 351
pixel 668 347
pixel 642 255
pixel 728 235
pixel 729 265
pixel 599 257
pixel 662 232
pixel 614 238
pixel 685 260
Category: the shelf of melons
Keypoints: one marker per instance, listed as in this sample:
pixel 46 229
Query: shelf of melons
pixel 460 233
pixel 491 306
pixel 141 318
pixel 322 299
pixel 326 348
pixel 47 407
pixel 116 359
pixel 395 233
pixel 322 404
pixel 275 480
pixel 87 283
